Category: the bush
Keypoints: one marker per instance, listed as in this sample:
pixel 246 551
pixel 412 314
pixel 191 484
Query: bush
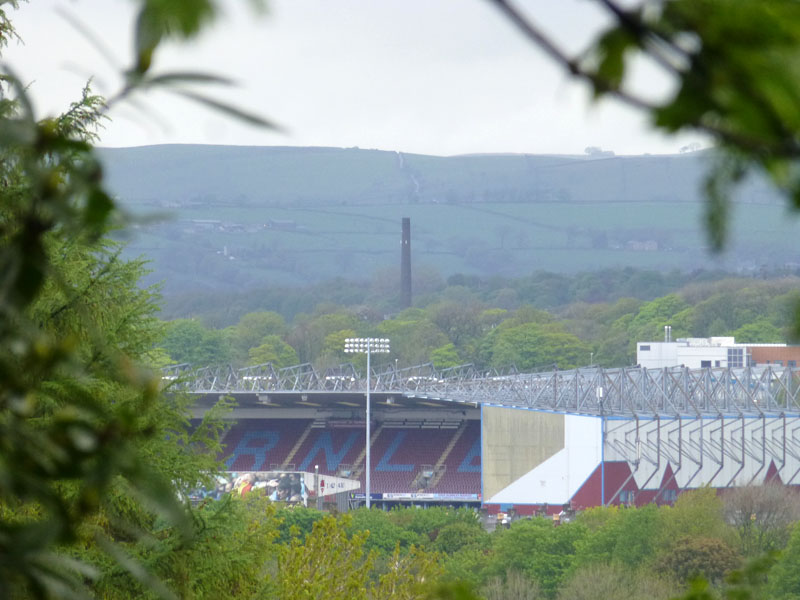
pixel 615 582
pixel 709 558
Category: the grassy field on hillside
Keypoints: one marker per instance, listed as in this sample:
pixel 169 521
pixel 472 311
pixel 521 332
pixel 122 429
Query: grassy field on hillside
pixel 259 216
pixel 512 239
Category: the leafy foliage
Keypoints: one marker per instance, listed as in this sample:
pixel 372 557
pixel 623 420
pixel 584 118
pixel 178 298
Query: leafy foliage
pixel 273 350
pixel 93 456
pixel 747 583
pixel 230 552
pixel 784 577
pixel 329 563
pixel 76 400
pixel 543 552
pixel 615 581
pixel 526 337
pixel 445 356
pixel 697 514
pixel 537 346
pixel 762 516
pixel 88 445
pixel 627 538
pixel 385 534
pixel 699 557
pixel 514 585
pixel 189 341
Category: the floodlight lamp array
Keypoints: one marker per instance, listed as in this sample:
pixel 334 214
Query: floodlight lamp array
pixel 364 345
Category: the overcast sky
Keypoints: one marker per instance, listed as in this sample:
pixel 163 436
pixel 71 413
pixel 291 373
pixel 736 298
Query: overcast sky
pixel 431 76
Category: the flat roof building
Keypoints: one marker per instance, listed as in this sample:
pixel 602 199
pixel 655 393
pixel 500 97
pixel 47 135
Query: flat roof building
pixel 698 353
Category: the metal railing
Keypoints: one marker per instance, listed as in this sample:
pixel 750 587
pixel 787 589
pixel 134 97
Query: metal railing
pixel 628 391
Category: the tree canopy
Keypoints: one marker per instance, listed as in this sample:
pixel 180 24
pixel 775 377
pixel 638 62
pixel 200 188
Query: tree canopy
pixel 94 458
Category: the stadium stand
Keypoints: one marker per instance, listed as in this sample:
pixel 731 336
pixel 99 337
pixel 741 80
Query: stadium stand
pixel 399 453
pixel 329 448
pixel 462 473
pixel 261 444
pixel 435 456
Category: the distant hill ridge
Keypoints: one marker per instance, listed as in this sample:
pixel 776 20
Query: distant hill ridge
pixel 286 176
pixel 248 217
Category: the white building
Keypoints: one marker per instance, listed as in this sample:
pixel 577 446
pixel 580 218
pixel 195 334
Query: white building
pixel 694 353
pixel 699 353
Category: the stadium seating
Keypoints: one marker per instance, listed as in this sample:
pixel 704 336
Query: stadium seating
pixel 463 464
pixel 399 453
pixel 329 448
pixel 261 444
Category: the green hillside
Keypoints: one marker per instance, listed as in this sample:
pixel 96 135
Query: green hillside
pixel 249 217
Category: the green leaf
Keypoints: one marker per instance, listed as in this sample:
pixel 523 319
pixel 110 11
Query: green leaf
pixel 187 77
pixel 159 19
pixel 135 569
pixel 689 106
pixel 181 19
pixel 728 171
pixel 612 49
pixel 229 110
pixel 98 207
pixel 21 95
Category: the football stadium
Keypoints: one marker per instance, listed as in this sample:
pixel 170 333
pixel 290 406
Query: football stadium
pixel 531 442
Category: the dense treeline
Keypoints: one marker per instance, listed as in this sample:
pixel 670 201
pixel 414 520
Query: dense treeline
pixel 743 540
pixel 592 318
pixel 542 289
